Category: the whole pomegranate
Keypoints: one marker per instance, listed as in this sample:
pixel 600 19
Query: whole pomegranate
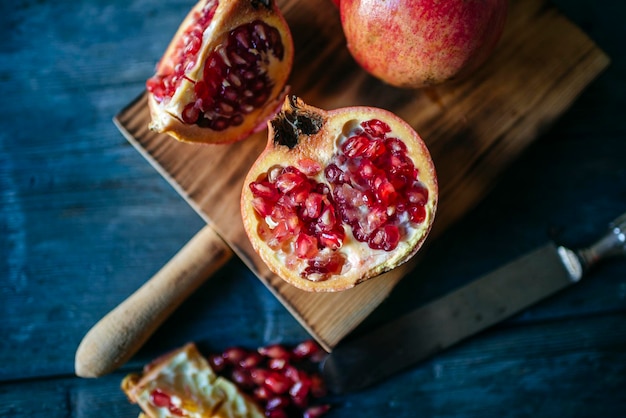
pixel 338 197
pixel 418 43
pixel 223 74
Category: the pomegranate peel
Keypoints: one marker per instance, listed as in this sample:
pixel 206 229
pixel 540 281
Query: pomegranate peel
pixel 338 197
pixel 419 43
pixel 224 73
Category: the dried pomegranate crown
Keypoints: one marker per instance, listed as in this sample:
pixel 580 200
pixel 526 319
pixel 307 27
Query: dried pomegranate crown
pixel 338 197
pixel 224 73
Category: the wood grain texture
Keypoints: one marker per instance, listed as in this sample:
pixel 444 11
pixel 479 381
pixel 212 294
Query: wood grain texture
pixel 474 128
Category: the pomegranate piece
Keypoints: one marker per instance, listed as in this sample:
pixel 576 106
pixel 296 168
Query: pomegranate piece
pixel 183 383
pixel 422 42
pixel 338 197
pixel 224 73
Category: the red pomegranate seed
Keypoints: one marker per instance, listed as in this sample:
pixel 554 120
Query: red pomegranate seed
pixel 376 218
pixel 386 238
pixel 316 411
pixel 327 220
pixel 217 362
pixel 334 174
pixel 261 394
pixel 288 181
pixel 234 355
pixel 356 146
pixel 300 193
pixel 332 240
pixel 283 232
pixel 242 377
pixel 278 383
pixel 251 360
pixel 417 214
pixel 306 246
pixel 292 372
pixel 265 190
pixel 376 128
pixel 312 206
pixel 375 149
pixel 275 413
pixel 386 192
pixel 262 206
pixel 277 402
pixel 367 171
pixel 161 399
pixel 325 266
pixel 190 113
pixel 259 375
pixel 277 363
pixel 274 351
pixel 306 349
pixel 395 146
pixel 299 393
pixel 417 195
pixel 309 167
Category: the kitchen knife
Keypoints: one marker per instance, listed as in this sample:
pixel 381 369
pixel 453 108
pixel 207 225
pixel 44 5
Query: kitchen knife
pixel 484 302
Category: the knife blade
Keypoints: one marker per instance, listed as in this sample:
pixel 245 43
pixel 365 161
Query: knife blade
pixel 358 363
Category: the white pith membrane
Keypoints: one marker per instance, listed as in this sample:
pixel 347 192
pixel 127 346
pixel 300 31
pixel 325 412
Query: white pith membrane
pixel 357 254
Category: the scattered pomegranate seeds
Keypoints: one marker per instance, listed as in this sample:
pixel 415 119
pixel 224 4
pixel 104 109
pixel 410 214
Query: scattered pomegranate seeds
pixel 282 379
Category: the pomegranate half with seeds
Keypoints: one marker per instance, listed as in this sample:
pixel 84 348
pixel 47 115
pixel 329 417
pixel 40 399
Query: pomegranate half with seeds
pixel 338 197
pixel 224 73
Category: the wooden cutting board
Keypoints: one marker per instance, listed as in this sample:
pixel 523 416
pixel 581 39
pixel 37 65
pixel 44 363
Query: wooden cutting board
pixel 474 128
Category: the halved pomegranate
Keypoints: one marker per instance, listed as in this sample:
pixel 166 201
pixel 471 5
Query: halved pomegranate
pixel 338 197
pixel 224 73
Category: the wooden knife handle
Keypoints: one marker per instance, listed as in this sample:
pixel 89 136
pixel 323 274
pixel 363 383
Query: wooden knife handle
pixel 118 336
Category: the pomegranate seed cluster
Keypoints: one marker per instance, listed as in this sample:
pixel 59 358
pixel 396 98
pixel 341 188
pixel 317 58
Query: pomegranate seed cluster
pixel 281 379
pixel 234 79
pixel 370 188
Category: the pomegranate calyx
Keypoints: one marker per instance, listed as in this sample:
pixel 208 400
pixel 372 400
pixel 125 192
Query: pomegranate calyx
pixel 293 121
pixel 265 3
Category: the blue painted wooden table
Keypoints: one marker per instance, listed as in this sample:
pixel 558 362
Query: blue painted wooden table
pixel 84 221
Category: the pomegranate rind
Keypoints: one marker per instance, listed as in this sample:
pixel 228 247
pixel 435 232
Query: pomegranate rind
pixel 185 376
pixel 422 43
pixel 365 263
pixel 166 116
